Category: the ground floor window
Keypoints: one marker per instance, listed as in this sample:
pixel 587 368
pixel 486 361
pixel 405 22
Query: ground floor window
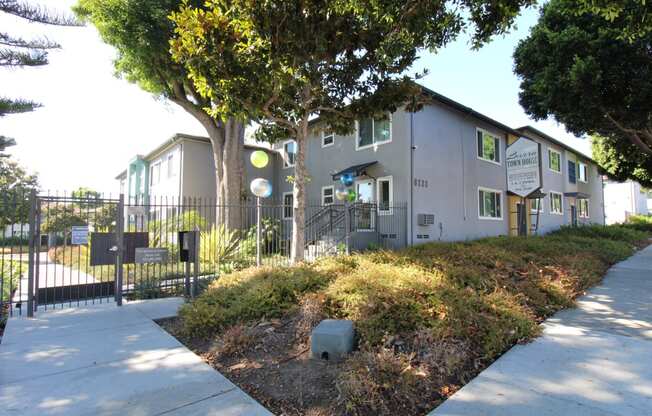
pixel 490 204
pixel 556 203
pixel 385 195
pixel 288 205
pixel 535 205
pixel 327 195
pixel 583 208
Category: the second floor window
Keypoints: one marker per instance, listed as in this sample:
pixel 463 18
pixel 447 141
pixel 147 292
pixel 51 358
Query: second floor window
pixel 327 195
pixel 572 173
pixel 290 153
pixel 554 161
pixel 171 168
pixel 582 171
pixel 327 138
pixel 373 131
pixel 488 146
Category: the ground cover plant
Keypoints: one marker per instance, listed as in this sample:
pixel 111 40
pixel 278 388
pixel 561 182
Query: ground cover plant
pixel 428 318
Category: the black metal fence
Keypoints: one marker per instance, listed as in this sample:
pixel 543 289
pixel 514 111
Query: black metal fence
pixel 71 233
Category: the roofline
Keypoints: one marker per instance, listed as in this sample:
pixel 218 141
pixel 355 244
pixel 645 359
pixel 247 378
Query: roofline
pixel 555 141
pixel 122 174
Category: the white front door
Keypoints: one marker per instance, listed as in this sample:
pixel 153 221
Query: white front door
pixel 365 198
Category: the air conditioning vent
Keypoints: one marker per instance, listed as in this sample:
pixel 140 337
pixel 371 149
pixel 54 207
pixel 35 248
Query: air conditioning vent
pixel 426 219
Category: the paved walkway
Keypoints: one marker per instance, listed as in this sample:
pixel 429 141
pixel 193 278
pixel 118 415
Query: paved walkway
pixel 593 360
pixel 105 360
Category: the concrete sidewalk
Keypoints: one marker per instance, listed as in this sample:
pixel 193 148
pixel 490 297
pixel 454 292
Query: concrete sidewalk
pixel 593 360
pixel 105 360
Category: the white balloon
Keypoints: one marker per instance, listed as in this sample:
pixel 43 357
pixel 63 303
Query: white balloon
pixel 261 187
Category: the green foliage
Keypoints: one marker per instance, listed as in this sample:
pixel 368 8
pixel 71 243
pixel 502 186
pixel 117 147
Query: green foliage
pixel 61 218
pixel 15 187
pixel 640 222
pixel 621 160
pixel 10 273
pixel 612 232
pixel 221 245
pixel 635 15
pixel 186 221
pixel 577 68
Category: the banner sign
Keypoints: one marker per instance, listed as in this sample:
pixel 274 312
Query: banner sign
pixel 523 167
pixel 79 234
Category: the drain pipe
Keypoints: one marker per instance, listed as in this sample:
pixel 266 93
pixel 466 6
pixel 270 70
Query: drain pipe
pixel 412 149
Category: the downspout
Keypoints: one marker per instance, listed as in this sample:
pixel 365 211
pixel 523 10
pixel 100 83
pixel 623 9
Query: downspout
pixel 412 149
pixel 181 156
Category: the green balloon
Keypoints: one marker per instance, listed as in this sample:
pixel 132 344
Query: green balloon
pixel 352 196
pixel 259 159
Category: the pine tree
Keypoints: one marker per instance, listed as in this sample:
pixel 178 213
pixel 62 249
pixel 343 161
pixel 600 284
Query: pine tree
pixel 18 52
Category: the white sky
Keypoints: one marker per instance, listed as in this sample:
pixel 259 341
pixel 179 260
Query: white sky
pixel 92 123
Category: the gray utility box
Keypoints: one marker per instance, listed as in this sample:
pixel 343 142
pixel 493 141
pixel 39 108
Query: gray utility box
pixel 332 339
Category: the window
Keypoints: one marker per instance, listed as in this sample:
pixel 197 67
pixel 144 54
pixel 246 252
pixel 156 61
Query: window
pixel 155 174
pixel 151 175
pixel 583 172
pixel 489 204
pixel 290 153
pixel 583 205
pixel 385 195
pixel 554 161
pixel 488 146
pixel 327 195
pixel 556 203
pixel 288 205
pixel 374 131
pixel 572 174
pixel 327 138
pixel 171 168
pixel 535 205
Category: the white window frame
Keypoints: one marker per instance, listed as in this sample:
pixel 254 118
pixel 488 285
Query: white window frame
pixel 284 205
pixel 498 151
pixel 389 179
pixel 323 196
pixel 170 161
pixel 541 205
pixel 588 208
pixel 561 198
pixel 502 205
pixel 324 136
pixel 561 166
pixel 373 130
pixel 286 159
pixel 581 165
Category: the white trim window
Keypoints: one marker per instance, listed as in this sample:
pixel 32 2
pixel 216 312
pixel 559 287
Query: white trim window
pixel 554 161
pixel 385 195
pixel 289 153
pixel 583 208
pixel 490 203
pixel 327 195
pixel 327 138
pixel 556 203
pixel 155 174
pixel 288 205
pixel 536 206
pixel 488 145
pixel 582 172
pixel 372 132
pixel 172 171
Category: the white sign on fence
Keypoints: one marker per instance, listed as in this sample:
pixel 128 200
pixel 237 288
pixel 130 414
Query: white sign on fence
pixel 137 211
pixel 151 255
pixel 79 234
pixel 523 167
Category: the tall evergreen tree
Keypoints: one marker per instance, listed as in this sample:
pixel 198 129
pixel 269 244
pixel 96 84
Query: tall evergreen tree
pixel 18 52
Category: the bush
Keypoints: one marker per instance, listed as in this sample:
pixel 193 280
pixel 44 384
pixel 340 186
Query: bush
pixel 640 222
pixel 14 241
pixel 10 274
pixel 612 232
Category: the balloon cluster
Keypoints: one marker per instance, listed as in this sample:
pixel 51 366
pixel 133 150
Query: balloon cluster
pixel 260 186
pixel 342 193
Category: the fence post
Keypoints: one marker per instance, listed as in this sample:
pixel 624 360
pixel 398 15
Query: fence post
pixel 347 225
pixel 31 254
pixel 119 236
pixel 197 263
pixel 258 231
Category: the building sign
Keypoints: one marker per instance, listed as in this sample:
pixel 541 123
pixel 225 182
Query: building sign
pixel 137 211
pixel 151 255
pixel 79 234
pixel 523 167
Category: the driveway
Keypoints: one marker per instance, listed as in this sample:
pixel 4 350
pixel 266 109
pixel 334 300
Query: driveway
pixel 593 360
pixel 109 360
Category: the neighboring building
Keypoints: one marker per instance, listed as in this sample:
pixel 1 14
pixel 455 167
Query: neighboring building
pixel 623 199
pixel 437 174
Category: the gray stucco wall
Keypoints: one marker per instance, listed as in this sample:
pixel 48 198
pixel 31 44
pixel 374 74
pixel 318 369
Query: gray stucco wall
pixel 446 157
pixel 198 170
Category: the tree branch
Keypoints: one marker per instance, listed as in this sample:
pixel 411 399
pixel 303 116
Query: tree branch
pixel 36 14
pixel 632 134
pixel 43 43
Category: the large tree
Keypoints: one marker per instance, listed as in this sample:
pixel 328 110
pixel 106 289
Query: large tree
pixel 283 62
pixel 140 31
pixel 16 184
pixel 621 160
pixel 579 69
pixel 19 52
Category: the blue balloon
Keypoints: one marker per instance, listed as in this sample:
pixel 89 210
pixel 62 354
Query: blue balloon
pixel 346 179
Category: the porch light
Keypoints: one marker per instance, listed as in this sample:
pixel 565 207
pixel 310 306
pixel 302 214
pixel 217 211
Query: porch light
pixel 261 188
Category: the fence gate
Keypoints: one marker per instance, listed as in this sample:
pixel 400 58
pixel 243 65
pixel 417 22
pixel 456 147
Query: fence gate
pixel 60 273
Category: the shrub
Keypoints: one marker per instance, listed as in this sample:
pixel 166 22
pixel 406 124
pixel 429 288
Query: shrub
pixel 10 274
pixel 640 222
pixel 613 232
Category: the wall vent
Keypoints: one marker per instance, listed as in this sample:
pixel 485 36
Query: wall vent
pixel 426 219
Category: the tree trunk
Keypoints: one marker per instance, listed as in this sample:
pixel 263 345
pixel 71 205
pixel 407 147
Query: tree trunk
pixel 299 195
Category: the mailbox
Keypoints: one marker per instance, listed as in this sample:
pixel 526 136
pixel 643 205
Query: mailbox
pixel 188 245
pixel 102 245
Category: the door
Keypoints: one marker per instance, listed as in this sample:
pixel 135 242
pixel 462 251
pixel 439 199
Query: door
pixel 521 218
pixel 364 207
pixel 573 216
